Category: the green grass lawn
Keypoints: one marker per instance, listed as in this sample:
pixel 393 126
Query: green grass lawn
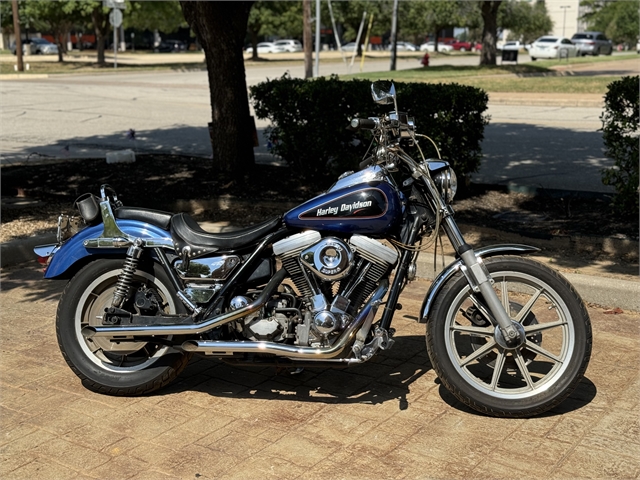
pixel 538 77
pixel 535 77
pixel 86 67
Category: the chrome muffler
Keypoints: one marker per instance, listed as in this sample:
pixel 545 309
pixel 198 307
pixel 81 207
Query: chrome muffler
pixel 365 317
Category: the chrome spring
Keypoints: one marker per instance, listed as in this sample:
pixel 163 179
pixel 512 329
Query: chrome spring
pixel 126 276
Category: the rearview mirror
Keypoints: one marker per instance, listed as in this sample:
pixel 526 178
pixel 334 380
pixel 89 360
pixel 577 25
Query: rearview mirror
pixel 383 92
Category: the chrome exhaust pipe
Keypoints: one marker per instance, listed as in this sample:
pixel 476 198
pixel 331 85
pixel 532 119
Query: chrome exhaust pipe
pixel 294 351
pixel 189 329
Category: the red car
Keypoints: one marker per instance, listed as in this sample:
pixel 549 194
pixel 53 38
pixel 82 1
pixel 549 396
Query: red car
pixel 464 46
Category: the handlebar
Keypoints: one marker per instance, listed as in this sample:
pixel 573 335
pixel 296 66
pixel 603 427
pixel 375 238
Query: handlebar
pixel 364 123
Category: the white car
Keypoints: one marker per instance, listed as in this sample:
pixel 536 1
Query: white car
pixel 289 45
pixel 552 47
pixel 267 47
pixel 512 46
pixel 404 47
pixel 349 47
pixel 431 47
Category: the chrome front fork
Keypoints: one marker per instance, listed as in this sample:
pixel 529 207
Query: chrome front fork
pixel 473 268
pixel 481 282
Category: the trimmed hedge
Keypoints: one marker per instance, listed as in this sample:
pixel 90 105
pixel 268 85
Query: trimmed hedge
pixel 310 118
pixel 621 139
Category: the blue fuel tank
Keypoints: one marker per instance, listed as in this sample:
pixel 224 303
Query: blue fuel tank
pixel 368 208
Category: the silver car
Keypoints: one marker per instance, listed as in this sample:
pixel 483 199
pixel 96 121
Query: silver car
pixel 592 43
pixel 36 46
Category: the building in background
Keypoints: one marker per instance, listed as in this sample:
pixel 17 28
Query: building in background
pixel 565 15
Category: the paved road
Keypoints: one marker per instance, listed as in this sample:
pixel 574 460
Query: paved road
pixel 388 419
pixel 544 147
pixel 87 115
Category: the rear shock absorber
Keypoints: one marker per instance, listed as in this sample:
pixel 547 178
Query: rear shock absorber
pixel 128 270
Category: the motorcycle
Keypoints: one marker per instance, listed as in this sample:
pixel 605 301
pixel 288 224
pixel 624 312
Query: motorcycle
pixel 507 335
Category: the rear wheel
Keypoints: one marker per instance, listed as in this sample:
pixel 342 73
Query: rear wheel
pixel 116 367
pixel 472 359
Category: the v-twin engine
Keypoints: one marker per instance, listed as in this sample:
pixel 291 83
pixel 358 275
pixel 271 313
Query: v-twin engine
pixel 332 278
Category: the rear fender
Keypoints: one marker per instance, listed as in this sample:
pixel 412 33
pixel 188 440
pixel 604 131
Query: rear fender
pixel 73 250
pixel 452 269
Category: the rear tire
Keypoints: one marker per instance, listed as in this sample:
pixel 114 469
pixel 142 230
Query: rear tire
pixel 528 380
pixel 115 368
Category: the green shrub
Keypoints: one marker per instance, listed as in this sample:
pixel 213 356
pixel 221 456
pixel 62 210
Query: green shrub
pixel 310 118
pixel 621 139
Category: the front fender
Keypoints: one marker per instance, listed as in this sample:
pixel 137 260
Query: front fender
pixel 73 250
pixel 452 269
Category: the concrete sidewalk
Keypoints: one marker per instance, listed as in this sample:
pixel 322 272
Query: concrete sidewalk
pixel 388 419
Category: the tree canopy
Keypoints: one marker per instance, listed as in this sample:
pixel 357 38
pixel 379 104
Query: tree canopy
pixel 525 21
pixel 618 20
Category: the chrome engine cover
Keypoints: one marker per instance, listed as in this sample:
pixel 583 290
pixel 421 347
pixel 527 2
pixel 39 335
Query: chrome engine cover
pixel 330 259
pixel 333 277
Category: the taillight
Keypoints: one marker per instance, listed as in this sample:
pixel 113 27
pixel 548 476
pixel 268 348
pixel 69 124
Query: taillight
pixel 44 254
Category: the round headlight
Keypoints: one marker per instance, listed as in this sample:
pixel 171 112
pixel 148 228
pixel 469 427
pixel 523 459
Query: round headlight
pixel 447 183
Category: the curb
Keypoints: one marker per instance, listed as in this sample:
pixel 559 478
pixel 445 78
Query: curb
pixel 610 292
pixel 21 250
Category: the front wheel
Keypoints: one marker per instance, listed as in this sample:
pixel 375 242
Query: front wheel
pixel 472 359
pixel 117 367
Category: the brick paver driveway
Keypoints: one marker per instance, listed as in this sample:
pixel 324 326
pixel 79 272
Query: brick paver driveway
pixel 387 419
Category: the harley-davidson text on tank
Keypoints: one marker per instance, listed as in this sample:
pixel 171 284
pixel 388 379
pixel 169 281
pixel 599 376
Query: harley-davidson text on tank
pixel 368 203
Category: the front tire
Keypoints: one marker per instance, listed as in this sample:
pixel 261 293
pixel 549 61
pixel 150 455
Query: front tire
pixel 104 366
pixel 467 355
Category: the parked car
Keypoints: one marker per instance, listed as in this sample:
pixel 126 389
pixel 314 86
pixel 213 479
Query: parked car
pixel 349 47
pixel 552 47
pixel 431 47
pixel 511 46
pixel 288 45
pixel 459 46
pixel 592 43
pixel 36 46
pixel 638 46
pixel 266 47
pixel 404 47
pixel 173 46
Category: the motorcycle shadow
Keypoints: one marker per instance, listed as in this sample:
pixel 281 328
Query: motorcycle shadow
pixel 388 376
pixel 582 396
pixel 391 376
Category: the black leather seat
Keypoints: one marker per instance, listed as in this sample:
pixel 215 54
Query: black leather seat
pixel 187 233
pixel 154 217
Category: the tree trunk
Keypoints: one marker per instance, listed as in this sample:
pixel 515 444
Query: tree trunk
pixel 221 28
pixel 489 9
pixel 99 20
pixel 16 32
pixel 59 34
pixel 306 38
pixel 254 44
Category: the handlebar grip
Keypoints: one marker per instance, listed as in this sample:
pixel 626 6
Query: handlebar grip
pixel 365 123
pixel 366 162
